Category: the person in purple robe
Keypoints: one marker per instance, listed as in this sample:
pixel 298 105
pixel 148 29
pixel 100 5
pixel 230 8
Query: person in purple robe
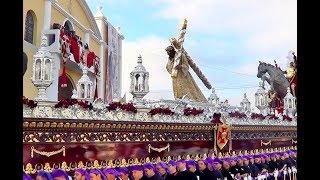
pixel 59 174
pixel 124 173
pixel 26 176
pixel 96 174
pixel 137 172
pixel 111 173
pixel 151 172
pixel 43 175
pixel 81 174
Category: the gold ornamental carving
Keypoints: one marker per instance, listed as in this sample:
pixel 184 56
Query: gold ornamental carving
pixel 48 154
pixel 265 143
pixel 158 149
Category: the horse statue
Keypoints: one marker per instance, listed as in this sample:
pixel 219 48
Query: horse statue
pixel 276 79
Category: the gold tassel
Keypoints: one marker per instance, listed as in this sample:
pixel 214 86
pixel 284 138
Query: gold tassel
pixel 48 154
pixel 32 148
pixel 64 151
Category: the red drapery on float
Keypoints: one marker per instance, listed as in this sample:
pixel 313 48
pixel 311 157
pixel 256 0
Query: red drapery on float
pixel 65 52
pixel 72 44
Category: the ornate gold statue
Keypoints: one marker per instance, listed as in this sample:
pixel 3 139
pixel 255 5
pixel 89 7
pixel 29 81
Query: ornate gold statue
pixel 188 157
pixel 178 67
pixel 29 169
pixel 110 164
pixel 136 161
pixel 204 156
pixel 64 166
pixel 47 167
pixel 123 163
pixel 227 155
pixel 197 157
pixel 233 154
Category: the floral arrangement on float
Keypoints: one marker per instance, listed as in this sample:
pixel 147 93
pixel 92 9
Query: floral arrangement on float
pixel 87 105
pixel 270 116
pixel 29 103
pixel 65 103
pixel 237 114
pixel 285 117
pixel 158 110
pixel 257 116
pixel 240 115
pixel 192 111
pixel 188 112
pixel 129 107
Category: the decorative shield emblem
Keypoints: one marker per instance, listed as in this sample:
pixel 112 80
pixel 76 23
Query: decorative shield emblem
pixel 223 135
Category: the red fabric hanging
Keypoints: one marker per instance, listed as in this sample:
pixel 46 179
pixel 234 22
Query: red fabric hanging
pixel 65 45
pixel 75 49
pixel 64 76
pixel 91 56
pixel 61 34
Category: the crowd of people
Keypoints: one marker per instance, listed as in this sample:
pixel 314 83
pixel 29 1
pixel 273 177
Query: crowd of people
pixel 275 165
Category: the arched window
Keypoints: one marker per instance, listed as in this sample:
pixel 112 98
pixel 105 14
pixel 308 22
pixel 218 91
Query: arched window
pixel 30 26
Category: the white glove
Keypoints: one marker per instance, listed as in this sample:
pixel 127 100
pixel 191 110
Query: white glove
pixel 276 173
pixel 285 172
pixel 294 169
pixel 259 177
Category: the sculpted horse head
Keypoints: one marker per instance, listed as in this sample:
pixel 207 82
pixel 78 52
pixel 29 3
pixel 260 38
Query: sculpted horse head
pixel 276 79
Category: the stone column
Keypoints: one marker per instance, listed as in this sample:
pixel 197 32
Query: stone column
pixel 47 15
pixel 101 84
pixel 87 37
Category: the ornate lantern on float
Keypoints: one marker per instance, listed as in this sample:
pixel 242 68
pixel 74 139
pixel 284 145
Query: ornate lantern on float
pixel 42 70
pixel 139 81
pixel 261 99
pixel 290 104
pixel 84 87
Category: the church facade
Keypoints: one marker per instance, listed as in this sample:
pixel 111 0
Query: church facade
pixel 77 38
